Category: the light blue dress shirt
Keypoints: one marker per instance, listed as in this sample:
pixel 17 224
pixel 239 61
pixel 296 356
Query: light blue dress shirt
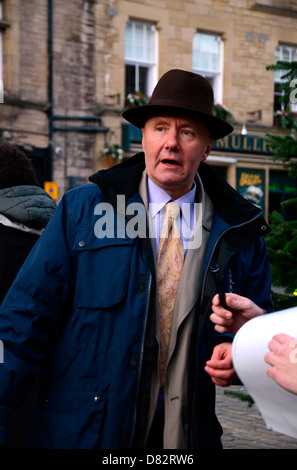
pixel 158 198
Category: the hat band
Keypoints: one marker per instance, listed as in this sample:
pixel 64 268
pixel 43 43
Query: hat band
pixel 176 104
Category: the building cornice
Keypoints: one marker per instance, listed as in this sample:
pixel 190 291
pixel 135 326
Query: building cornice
pixel 274 10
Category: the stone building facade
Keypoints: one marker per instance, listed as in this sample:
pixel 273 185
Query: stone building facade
pixel 65 68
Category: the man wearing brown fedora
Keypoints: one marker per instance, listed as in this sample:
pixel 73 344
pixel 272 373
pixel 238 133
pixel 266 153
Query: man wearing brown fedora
pixel 119 330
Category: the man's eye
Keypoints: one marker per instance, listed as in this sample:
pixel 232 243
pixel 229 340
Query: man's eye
pixel 187 132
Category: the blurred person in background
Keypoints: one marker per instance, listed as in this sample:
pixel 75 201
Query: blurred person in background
pixel 25 210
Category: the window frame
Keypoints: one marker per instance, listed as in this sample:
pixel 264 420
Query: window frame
pixel 215 75
pixel 150 65
pixel 279 106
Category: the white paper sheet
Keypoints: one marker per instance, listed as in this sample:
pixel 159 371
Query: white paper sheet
pixel 277 406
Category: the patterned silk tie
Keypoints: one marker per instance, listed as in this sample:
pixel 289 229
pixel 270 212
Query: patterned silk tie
pixel 169 267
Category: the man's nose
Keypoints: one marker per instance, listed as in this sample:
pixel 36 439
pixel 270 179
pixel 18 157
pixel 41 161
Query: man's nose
pixel 172 140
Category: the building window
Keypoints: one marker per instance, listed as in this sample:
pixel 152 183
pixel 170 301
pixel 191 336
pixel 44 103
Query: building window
pixel 208 61
pixel 140 57
pixel 281 188
pixel 283 53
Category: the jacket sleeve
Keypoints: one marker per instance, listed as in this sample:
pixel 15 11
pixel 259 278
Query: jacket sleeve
pixel 34 311
pixel 251 276
pixel 248 274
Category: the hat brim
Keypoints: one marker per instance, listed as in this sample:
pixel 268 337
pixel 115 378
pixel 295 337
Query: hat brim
pixel 138 115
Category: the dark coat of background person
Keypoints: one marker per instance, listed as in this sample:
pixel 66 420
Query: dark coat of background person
pixel 25 210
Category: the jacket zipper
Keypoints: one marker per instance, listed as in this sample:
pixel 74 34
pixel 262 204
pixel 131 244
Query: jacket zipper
pixel 215 246
pixel 141 354
pixel 202 295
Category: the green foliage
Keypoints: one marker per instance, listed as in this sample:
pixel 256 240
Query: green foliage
pixel 220 111
pixel 282 249
pixel 282 301
pixel 290 72
pixel 136 99
pixel 282 240
pixel 284 149
pixel 287 118
pixel 241 396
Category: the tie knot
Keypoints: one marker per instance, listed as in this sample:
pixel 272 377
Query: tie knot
pixel 173 209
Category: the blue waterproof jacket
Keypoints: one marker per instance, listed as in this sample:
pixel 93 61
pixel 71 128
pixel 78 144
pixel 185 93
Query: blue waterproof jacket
pixel 81 313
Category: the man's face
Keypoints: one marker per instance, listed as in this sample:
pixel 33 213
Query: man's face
pixel 174 148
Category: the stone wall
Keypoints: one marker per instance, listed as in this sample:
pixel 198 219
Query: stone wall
pixel 74 78
pixel 281 7
pixel 250 38
pixel 23 117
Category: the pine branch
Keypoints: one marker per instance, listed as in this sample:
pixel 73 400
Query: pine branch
pixel 282 240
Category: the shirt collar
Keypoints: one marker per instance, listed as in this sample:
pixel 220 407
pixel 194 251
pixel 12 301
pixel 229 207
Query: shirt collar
pixel 158 197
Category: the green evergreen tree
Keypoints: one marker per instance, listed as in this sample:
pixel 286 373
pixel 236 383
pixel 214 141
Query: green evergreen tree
pixel 282 241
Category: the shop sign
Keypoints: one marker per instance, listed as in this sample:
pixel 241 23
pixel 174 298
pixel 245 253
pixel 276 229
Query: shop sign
pixel 251 185
pixel 243 143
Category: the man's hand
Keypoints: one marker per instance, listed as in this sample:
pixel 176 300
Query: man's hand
pixel 282 359
pixel 220 366
pixel 241 309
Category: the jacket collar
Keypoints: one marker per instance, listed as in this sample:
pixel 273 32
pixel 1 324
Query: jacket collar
pixel 228 203
pixel 125 177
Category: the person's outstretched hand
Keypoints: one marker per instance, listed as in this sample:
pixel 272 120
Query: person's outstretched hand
pixel 241 309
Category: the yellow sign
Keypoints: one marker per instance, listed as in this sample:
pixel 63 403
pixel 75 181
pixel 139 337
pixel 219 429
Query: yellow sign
pixel 249 179
pixel 51 187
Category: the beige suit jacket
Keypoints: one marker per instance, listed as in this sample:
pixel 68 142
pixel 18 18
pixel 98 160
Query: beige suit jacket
pixel 175 389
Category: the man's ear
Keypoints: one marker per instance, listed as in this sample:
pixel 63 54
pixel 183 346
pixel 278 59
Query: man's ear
pixel 142 140
pixel 207 150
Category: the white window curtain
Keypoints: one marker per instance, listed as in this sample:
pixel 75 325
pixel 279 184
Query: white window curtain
pixel 208 60
pixel 141 54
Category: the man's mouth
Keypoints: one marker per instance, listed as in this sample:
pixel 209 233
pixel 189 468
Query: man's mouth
pixel 170 162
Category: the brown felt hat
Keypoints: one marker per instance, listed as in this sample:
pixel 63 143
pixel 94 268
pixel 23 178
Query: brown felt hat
pixel 184 93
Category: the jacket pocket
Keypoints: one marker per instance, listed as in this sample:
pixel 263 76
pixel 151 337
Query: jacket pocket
pixel 103 267
pixel 68 420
